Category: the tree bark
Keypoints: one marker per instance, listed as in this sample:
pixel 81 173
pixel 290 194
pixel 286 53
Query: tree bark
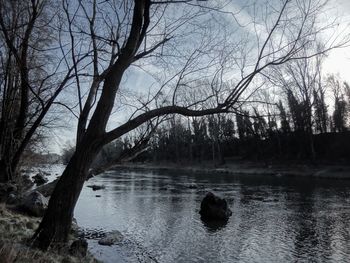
pixel 4 176
pixel 56 223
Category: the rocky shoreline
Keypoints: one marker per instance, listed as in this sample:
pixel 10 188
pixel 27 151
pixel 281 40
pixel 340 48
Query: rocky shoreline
pixel 21 209
pixel 17 228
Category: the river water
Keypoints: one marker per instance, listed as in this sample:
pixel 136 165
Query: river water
pixel 274 219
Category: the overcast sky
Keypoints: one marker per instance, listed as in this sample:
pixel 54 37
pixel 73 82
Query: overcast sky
pixel 338 62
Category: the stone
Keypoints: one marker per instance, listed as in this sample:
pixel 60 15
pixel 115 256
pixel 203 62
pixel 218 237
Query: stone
pixel 111 238
pixel 96 187
pixel 47 189
pixel 214 208
pixel 79 248
pixel 40 179
pixel 35 204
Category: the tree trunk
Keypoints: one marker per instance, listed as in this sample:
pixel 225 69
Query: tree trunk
pixel 220 154
pixel 6 172
pixel 3 172
pixel 56 223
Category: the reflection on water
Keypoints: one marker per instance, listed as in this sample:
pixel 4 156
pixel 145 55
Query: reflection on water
pixel 273 220
pixel 213 226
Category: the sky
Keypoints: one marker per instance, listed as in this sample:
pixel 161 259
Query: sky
pixel 337 62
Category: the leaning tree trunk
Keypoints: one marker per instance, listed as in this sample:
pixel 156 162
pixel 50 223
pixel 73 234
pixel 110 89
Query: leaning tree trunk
pixel 56 223
pixel 3 172
pixel 7 172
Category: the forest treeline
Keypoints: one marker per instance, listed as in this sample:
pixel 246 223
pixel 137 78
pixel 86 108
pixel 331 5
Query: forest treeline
pixel 298 127
pixel 294 128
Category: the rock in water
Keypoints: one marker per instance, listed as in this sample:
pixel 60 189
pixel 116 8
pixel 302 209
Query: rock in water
pixel 79 248
pixel 40 179
pixel 111 238
pixel 47 189
pixel 96 187
pixel 214 208
pixel 35 204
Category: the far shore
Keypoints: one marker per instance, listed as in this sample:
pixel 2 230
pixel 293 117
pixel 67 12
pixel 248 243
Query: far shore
pixel 329 171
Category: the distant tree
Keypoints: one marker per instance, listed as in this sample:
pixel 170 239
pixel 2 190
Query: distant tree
pixel 199 138
pixel 228 128
pixel 31 75
pixel 347 94
pixel 340 114
pixel 285 126
pixel 215 130
pixel 260 125
pixel 339 117
pixel 299 114
pixel 241 129
pixel 320 114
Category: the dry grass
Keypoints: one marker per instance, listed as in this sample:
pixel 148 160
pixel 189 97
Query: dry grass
pixel 15 230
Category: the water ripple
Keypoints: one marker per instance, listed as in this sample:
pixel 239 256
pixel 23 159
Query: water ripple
pixel 275 220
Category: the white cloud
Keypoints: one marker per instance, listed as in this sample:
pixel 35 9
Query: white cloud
pixel 338 60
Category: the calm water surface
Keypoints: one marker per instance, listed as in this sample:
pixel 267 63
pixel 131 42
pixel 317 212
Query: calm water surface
pixel 274 219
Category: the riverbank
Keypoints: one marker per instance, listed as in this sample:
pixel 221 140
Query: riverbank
pixel 16 229
pixel 328 171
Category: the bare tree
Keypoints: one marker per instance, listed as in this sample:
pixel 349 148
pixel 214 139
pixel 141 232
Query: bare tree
pixel 340 114
pixel 301 80
pixel 31 75
pixel 124 34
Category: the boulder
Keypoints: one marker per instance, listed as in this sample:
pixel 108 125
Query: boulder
pixel 214 208
pixel 34 204
pixel 47 189
pixel 79 248
pixel 96 187
pixel 111 238
pixel 40 179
